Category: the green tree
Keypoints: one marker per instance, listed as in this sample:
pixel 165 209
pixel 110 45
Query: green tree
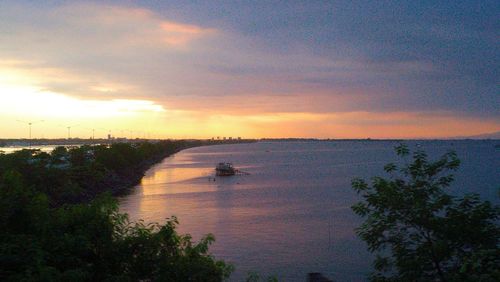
pixel 55 227
pixel 421 233
pixel 93 242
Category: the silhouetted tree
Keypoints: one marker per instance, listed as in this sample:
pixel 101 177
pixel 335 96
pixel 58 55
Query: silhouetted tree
pixel 421 233
pixel 54 228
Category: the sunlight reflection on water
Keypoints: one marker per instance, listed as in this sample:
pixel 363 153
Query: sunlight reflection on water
pixel 292 214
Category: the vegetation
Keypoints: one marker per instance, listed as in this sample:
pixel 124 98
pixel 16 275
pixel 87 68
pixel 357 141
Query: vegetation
pixel 421 233
pixel 78 174
pixel 59 222
pixel 54 227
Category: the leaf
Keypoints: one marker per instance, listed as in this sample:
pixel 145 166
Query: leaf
pixel 390 167
pixel 402 150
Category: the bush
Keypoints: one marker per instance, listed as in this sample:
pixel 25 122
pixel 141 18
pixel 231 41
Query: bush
pixel 52 230
pixel 93 242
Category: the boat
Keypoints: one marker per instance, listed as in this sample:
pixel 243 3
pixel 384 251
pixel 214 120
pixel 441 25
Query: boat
pixel 225 169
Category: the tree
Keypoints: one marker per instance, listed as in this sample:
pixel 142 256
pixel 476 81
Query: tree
pixel 93 242
pixel 54 227
pixel 421 233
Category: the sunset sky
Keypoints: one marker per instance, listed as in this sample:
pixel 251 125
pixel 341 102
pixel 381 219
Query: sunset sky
pixel 326 69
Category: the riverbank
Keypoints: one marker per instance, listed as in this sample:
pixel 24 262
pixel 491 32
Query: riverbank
pixel 60 223
pixel 77 174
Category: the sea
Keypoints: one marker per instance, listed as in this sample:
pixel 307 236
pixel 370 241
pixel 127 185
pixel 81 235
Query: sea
pixel 291 214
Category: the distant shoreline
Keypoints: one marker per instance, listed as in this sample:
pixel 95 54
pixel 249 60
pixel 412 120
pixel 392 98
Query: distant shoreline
pixel 78 142
pixel 23 142
pixel 368 139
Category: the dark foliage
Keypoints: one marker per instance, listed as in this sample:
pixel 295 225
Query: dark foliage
pixel 421 233
pixel 79 174
pixel 54 228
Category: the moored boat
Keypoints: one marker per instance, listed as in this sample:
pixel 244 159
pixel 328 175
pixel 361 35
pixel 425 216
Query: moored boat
pixel 225 169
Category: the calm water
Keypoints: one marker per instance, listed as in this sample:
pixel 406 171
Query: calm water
pixel 44 148
pixel 292 214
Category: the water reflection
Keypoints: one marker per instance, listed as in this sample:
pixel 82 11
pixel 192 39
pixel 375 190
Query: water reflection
pixel 46 148
pixel 292 214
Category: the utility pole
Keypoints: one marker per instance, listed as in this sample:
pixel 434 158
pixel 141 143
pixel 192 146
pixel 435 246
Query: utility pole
pixel 68 127
pixel 30 123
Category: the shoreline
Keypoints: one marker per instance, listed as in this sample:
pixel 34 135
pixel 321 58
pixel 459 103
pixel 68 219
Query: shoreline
pixel 122 184
pixel 79 174
pixel 125 184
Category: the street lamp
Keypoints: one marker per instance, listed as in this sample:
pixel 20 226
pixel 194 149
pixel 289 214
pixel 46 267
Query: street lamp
pixel 30 123
pixel 69 129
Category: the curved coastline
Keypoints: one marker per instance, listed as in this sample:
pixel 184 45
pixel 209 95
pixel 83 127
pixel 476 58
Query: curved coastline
pixel 121 185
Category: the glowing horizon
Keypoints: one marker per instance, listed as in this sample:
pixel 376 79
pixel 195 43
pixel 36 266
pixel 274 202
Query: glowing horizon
pixel 182 73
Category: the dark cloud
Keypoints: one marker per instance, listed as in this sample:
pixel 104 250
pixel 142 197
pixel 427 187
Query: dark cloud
pixel 459 39
pixel 386 55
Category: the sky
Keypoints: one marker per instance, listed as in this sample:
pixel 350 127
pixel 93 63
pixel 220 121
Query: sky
pixel 202 69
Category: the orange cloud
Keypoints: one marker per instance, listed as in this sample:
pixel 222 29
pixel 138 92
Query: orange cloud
pixel 118 66
pixel 177 34
pixel 122 26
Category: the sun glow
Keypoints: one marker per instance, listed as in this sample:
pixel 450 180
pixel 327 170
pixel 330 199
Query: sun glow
pixel 26 99
pixel 21 100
